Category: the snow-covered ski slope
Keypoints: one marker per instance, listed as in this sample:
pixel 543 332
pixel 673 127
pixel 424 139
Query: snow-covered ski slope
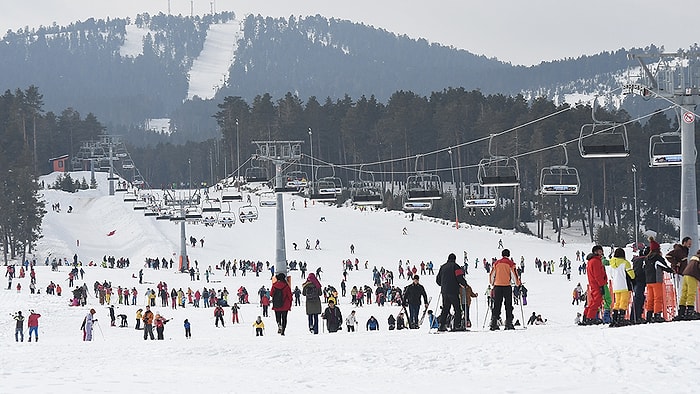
pixel 210 69
pixel 557 357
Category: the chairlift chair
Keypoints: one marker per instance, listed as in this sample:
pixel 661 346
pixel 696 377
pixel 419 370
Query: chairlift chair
pixel 323 191
pixel 364 192
pixel 193 214
pixel 417 205
pixel 475 198
pixel 267 199
pixel 423 186
pixel 665 150
pixel 227 219
pixel 256 174
pixel 560 180
pixel 140 206
pixel 247 212
pixel 130 197
pixel 603 139
pixel 209 206
pixel 231 195
pixel 296 179
pixel 128 165
pixel 177 216
pixel 497 171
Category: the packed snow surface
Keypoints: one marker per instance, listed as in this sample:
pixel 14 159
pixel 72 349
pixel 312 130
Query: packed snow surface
pixel 556 357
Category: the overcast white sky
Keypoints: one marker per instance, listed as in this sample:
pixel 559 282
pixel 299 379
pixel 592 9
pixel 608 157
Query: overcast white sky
pixel 520 31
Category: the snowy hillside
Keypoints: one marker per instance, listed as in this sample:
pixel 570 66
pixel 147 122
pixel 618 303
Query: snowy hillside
pixel 210 69
pixel 557 357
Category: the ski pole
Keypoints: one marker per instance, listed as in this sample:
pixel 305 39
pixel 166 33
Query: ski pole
pixel 97 323
pixel 522 315
pixel 477 313
pixel 486 317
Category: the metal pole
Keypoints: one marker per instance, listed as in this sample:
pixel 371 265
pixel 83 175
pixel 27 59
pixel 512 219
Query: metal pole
pixel 311 140
pixel 111 172
pixel 455 186
pixel 189 185
pixel 183 241
pixel 280 248
pixel 689 202
pixel 238 151
pixel 636 220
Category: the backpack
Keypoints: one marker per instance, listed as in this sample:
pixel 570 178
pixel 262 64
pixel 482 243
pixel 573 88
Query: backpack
pixel 311 291
pixel 277 298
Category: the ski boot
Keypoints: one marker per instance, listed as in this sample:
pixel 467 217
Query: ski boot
pixel 682 313
pixel 658 318
pixel 691 313
pixel 615 319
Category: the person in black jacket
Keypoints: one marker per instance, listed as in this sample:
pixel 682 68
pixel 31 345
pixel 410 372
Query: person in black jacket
pixel 412 296
pixel 654 268
pixel 450 277
pixel 333 317
pixel 639 284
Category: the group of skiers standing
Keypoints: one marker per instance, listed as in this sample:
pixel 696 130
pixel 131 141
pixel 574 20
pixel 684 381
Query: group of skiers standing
pixel 644 273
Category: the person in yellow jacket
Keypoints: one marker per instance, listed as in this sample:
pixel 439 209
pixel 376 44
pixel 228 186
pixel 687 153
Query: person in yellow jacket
pixel 139 316
pixel 691 276
pixel 259 327
pixel 621 275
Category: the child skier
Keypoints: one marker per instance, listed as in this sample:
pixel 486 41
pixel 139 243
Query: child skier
pixel 259 327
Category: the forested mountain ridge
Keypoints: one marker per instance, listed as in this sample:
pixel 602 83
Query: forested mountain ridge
pixel 82 66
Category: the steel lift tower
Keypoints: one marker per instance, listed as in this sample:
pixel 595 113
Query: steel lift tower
pixel 280 153
pixel 676 78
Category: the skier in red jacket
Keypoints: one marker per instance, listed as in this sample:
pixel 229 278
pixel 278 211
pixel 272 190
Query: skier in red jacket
pixel 597 279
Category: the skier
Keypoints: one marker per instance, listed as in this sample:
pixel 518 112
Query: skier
pixel 622 274
pixel 372 324
pixel 500 278
pixel 87 325
pixel 597 278
pixel 160 322
pixel 33 324
pixel 691 275
pixel 219 316
pixel 654 268
pixel 234 313
pixel 412 296
pixel 188 332
pixel 450 277
pixel 147 323
pixel 19 327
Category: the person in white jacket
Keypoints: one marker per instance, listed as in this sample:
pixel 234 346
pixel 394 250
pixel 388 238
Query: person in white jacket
pixel 87 325
pixel 351 322
pixel 620 271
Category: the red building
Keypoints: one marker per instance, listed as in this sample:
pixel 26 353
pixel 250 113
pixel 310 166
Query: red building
pixel 59 163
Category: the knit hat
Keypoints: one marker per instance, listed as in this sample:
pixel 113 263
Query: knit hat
pixel 653 245
pixel 281 276
pixel 451 258
pixel 505 253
